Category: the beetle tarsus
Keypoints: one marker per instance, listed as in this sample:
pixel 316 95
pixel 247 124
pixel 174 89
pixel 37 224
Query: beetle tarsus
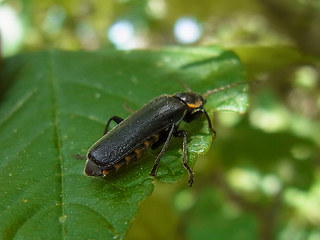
pixel 191 180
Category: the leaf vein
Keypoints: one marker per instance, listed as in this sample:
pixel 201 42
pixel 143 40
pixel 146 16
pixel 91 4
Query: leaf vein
pixel 19 104
pixel 54 90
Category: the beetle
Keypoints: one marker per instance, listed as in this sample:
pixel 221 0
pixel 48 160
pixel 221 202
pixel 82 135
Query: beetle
pixel 152 125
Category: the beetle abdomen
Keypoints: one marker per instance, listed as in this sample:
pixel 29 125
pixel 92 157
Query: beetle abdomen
pixel 134 155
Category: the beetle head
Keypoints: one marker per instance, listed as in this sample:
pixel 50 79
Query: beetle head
pixel 193 100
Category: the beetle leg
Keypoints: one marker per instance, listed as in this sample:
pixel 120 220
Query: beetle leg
pixel 210 125
pixel 193 116
pixel 81 157
pixel 189 117
pixel 182 133
pixel 114 118
pixel 164 148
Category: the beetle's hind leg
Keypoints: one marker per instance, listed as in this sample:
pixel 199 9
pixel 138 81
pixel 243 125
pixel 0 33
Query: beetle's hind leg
pixel 80 157
pixel 164 148
pixel 114 118
pixel 182 133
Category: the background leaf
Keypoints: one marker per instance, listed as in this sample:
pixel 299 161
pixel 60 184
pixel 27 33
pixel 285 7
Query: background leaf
pixel 55 104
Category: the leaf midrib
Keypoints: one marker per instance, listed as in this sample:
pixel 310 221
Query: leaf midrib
pixel 57 137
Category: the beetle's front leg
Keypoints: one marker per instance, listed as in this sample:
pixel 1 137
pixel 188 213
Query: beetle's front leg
pixel 114 118
pixel 192 116
pixel 189 117
pixel 182 133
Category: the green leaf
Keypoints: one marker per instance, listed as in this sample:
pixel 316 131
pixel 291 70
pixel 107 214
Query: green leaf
pixel 55 104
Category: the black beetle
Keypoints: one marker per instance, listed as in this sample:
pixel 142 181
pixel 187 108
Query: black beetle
pixel 150 126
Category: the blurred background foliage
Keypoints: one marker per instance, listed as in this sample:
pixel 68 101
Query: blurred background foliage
pixel 260 180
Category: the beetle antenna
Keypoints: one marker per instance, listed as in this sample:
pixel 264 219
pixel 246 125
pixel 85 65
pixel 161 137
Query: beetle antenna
pixel 205 95
pixel 185 86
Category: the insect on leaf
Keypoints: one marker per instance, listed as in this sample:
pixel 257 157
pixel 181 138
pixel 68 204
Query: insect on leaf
pixel 55 104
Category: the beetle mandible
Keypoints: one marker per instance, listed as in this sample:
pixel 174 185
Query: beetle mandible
pixel 152 125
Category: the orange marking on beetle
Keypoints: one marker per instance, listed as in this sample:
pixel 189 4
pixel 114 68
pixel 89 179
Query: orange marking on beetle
pixel 195 105
pixel 139 150
pixel 138 154
pixel 118 165
pixel 155 137
pixel 146 143
pixel 105 172
pixel 128 159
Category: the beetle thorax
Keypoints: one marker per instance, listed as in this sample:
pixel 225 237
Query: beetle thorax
pixel 192 100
